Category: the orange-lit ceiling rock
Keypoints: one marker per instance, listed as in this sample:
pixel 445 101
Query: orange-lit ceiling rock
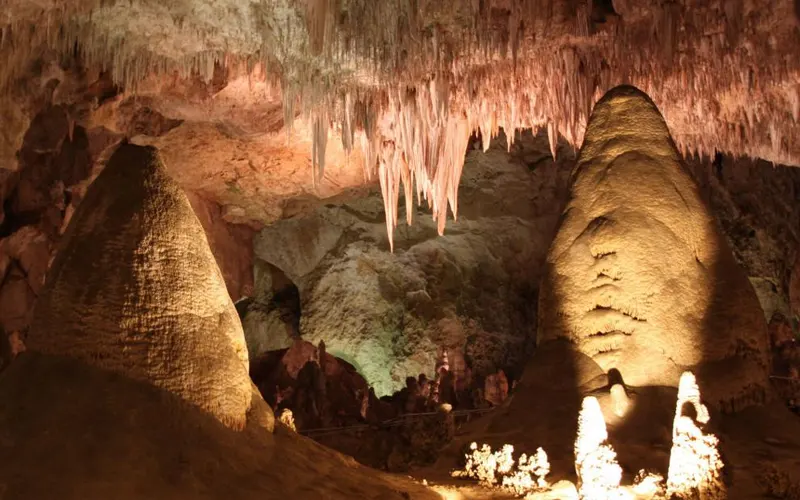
pixel 410 80
pixel 231 145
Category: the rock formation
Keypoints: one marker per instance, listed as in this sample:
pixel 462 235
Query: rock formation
pixel 469 292
pixel 138 386
pixel 639 277
pixel 754 202
pixel 136 290
pixel 56 163
pixel 639 282
pixel 524 476
pixel 695 466
pixel 599 474
pixel 231 244
pixel 320 390
pixel 271 317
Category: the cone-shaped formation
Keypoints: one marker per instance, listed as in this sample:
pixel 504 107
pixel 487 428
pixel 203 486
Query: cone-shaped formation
pixel 135 289
pixel 695 466
pixel 639 277
pixel 596 464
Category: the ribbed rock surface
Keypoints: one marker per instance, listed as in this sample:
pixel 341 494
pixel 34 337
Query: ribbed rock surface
pixel 639 277
pixel 135 289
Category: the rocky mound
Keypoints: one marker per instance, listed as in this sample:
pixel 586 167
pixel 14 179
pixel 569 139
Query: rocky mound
pixel 87 433
pixel 136 290
pixel 141 382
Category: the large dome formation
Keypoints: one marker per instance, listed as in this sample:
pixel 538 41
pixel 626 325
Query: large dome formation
pixel 639 276
pixel 135 289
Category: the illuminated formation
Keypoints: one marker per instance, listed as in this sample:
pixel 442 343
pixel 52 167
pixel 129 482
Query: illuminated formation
pixel 499 469
pixel 287 419
pixel 695 467
pixel 166 316
pixel 619 399
pixel 648 485
pixel 627 277
pixel 599 474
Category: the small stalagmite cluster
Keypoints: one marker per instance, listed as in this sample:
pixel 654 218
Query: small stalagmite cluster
pixel 695 466
pixel 522 477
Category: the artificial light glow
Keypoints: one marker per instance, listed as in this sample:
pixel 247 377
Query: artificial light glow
pixel 499 469
pixel 599 474
pixel 695 465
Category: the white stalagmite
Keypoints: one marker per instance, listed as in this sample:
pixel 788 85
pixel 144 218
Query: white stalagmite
pixel 499 469
pixel 695 466
pixel 599 474
pixel 287 419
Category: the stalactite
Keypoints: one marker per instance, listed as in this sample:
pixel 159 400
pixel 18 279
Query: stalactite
pixel 319 144
pixel 417 78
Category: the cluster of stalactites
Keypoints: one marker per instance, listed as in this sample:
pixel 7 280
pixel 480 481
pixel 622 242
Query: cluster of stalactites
pixel 66 27
pixel 409 82
pixel 457 85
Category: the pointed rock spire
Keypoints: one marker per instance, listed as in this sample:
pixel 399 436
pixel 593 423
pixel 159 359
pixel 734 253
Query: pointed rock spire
pixel 135 289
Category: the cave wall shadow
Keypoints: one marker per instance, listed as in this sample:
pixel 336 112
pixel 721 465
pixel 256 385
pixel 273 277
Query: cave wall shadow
pixel 542 410
pixel 740 379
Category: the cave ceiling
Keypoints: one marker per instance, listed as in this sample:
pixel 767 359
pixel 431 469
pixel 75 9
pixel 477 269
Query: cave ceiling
pixel 258 104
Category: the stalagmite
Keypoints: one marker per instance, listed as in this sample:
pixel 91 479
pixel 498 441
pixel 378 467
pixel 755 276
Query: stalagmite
pixel 498 469
pixel 287 419
pixel 619 399
pixel 695 466
pixel 599 474
pixel 134 289
pixel 627 279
